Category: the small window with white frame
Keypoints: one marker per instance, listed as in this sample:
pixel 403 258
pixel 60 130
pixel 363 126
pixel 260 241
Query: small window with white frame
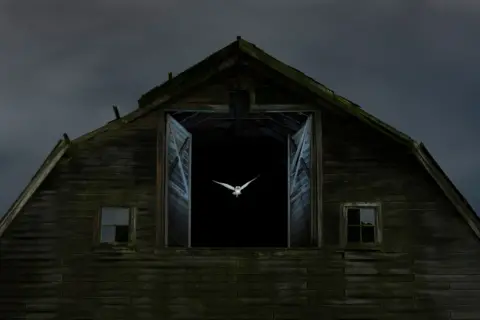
pixel 116 225
pixel 361 224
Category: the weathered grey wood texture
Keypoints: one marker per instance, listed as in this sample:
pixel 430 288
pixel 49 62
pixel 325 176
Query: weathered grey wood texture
pixel 300 181
pixel 178 144
pixel 428 266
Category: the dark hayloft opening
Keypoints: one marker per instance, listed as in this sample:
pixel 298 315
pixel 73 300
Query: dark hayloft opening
pixel 258 217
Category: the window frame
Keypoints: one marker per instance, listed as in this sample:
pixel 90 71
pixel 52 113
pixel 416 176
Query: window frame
pixel 132 211
pixel 162 225
pixel 344 225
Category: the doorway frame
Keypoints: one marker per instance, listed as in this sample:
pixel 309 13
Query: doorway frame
pixel 161 222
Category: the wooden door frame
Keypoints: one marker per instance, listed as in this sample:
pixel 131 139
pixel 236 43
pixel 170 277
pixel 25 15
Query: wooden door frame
pixel 317 164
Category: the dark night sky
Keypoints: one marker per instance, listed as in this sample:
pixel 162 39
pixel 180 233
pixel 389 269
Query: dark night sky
pixel 413 64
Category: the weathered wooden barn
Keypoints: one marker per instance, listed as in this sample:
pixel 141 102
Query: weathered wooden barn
pixel 348 219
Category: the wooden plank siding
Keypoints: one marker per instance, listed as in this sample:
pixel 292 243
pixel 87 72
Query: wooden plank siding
pixel 437 250
pixel 48 265
pixel 427 267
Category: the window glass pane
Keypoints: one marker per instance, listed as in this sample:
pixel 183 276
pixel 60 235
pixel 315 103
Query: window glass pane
pixel 367 216
pixel 107 234
pixel 121 234
pixel 368 234
pixel 353 234
pixel 115 216
pixel 353 216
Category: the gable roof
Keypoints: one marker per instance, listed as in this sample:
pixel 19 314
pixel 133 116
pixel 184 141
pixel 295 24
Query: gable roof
pixel 224 59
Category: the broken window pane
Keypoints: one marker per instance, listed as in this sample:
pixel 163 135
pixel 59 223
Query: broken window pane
pixel 367 216
pixel 115 216
pixel 115 225
pixel 368 234
pixel 353 234
pixel 107 234
pixel 121 234
pixel 353 216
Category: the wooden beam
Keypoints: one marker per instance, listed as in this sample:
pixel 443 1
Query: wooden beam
pixel 50 162
pixel 66 138
pixel 286 122
pixel 223 108
pixel 318 171
pixel 115 111
pixel 459 202
pixel 283 108
pixel 272 133
pixel 160 183
pixel 239 106
pixel 182 88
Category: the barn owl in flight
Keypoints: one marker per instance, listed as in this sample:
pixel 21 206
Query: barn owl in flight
pixel 236 190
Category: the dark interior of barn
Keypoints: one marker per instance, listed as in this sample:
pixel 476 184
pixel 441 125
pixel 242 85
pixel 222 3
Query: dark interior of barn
pixel 234 152
pixel 258 217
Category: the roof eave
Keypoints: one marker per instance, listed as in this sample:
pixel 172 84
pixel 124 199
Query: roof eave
pixel 447 186
pixel 219 57
pixel 47 166
pixel 322 91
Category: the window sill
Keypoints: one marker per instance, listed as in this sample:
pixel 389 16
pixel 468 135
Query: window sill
pixel 362 247
pixel 241 251
pixel 114 248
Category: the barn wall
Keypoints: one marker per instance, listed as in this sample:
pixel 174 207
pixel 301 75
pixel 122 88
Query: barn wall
pixel 50 270
pixel 428 239
pixel 48 266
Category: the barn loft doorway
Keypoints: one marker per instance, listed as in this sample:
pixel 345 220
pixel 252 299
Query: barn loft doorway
pixel 255 218
pixel 214 146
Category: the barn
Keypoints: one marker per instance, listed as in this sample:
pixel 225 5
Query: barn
pixel 344 217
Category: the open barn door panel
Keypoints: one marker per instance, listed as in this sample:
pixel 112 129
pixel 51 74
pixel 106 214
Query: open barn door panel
pixel 178 188
pixel 299 186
